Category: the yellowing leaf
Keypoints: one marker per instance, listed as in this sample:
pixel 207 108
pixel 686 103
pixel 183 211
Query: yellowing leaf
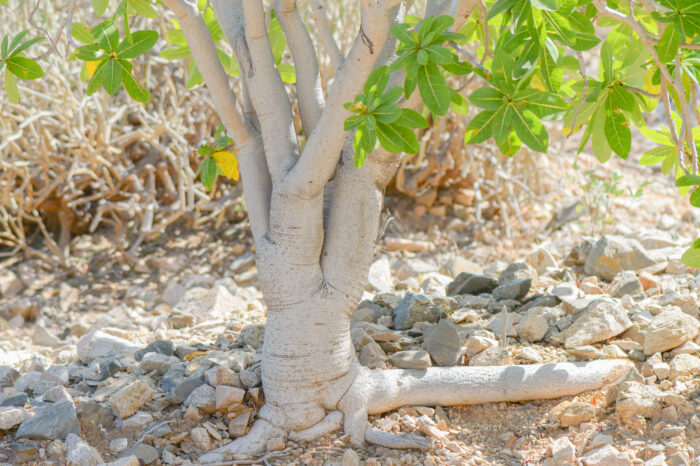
pixel 92 66
pixel 195 354
pixel 228 164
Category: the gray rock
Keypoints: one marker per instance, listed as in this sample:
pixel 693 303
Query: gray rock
pixel 534 325
pixel 516 289
pixel 211 304
pixel 410 359
pixel 253 335
pixel 443 344
pixel 10 284
pixel 491 356
pixel 43 337
pixel 157 363
pixel 8 376
pixel 668 330
pixel 145 453
pixel 57 393
pixel 470 283
pixel 611 255
pixel 52 422
pixel 204 398
pixel 242 262
pixel 517 271
pixel 250 377
pixel 603 319
pixel 165 347
pixel 626 283
pixel 416 308
pixel 138 422
pixel 93 418
pixel 496 324
pixel 80 453
pixel 22 383
pixel 579 253
pixel 11 417
pixel 372 356
pixel 539 301
pixel 98 344
pixel 15 400
pixel 181 388
pixel 173 293
pixel 367 311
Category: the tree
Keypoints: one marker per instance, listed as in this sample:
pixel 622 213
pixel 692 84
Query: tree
pixel 314 199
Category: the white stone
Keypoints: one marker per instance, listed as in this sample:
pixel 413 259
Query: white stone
pixel 98 344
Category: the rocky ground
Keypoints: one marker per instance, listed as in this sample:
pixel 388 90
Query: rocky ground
pixel 154 359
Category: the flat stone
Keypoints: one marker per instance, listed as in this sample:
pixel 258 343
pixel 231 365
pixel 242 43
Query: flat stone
pixel 145 453
pixel 612 254
pixel 410 359
pixel 416 308
pixel 126 461
pixel 98 344
pixel 605 456
pixel 668 330
pixel 173 293
pixel 443 344
pixel 81 453
pixel 227 396
pixel 459 264
pixel 626 283
pixel 238 425
pixel 491 356
pixel 602 320
pixel 496 323
pixel 157 363
pixel 129 399
pixel 52 422
pixel 11 417
pixel 138 422
pixel 10 284
pixel 275 444
pixel 15 400
pixel 350 458
pixel 516 289
pixel 469 283
pixel 57 393
pixel 517 271
pixel 250 377
pixel 164 347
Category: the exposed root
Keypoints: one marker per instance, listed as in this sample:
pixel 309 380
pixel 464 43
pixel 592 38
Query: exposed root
pixel 332 422
pixel 397 441
pixel 254 443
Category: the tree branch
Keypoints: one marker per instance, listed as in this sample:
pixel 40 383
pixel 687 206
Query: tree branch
pixel 322 152
pixel 324 31
pixel 309 89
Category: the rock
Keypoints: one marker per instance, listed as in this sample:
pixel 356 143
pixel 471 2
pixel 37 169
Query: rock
pixel 43 337
pixel 603 320
pixel 540 259
pixel 275 444
pixel 469 283
pixel 204 398
pixel 534 325
pixel 637 400
pixel 605 456
pixel 157 363
pixel 129 399
pixel 459 264
pixel 57 393
pixel 8 376
pixel 80 453
pixel 586 352
pixel 145 453
pixel 22 383
pixel 52 422
pixel 126 461
pixel 98 344
pixel 626 283
pixel 476 344
pixel 219 375
pixel 242 262
pixel 138 422
pixel 517 271
pixel 530 354
pixel 201 438
pixel 379 277
pixel 416 308
pixel 180 388
pixel 372 356
pixel 491 356
pixel 250 377
pixel 512 290
pixel 253 335
pixel 164 347
pixel 211 304
pixel 573 413
pixel 649 281
pixel 668 330
pixel 563 451
pixel 350 458
pixel 10 284
pixel 567 291
pixel 57 449
pixel 443 344
pixel 14 400
pixel 661 370
pixel 496 324
pixel 173 293
pixel 689 347
pixel 227 396
pixel 94 419
pixel 11 417
pixel 410 359
pixel 611 255
pixel 238 425
pixel 684 364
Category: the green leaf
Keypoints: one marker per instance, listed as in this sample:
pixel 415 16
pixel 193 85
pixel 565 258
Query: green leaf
pixel 353 122
pixel 403 33
pixel 11 88
pixel 5 46
pixel 277 40
pixel 24 46
pixel 142 42
pixel 691 258
pixel 481 127
pixel 601 148
pixel 688 180
pixel 422 57
pixel 24 68
pixel 487 97
pixel 606 61
pixel 377 81
pixel 550 5
pixel 107 36
pixel 544 105
pixel 530 130
pixel 458 103
pixel 500 6
pixel 208 174
pixel 503 124
pixel 194 78
pixel 396 138
pixel 99 6
pixel 433 89
pixel 175 53
pixel 552 75
pixel 143 8
pixel 695 198
pixel 439 55
pixel 90 52
pixel 411 119
pixel 656 155
pixel 510 144
pixel 81 33
pixel 136 92
pixel 617 133
pixel 112 77
pixel 388 113
pixel 622 98
pixel 668 45
pixel 16 41
pixel 97 78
